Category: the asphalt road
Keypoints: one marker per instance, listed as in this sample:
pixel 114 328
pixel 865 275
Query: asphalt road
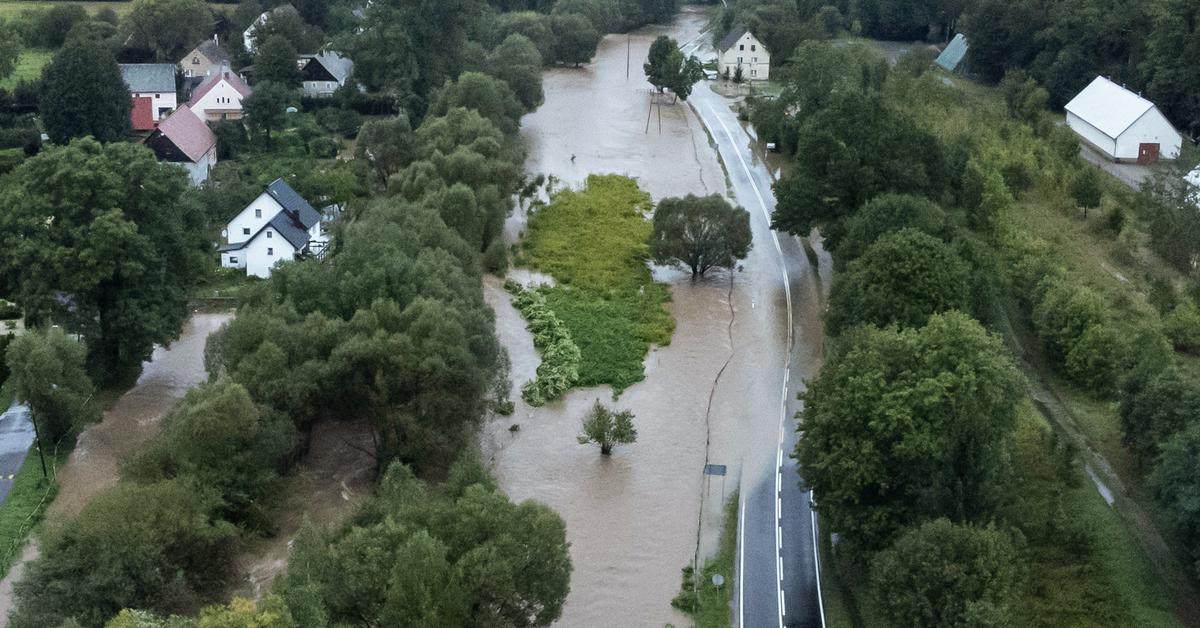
pixel 16 436
pixel 778 580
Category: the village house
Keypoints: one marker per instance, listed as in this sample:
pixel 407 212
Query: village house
pixel 184 139
pixel 324 73
pixel 206 59
pixel 248 35
pixel 277 226
pixel 219 97
pixel 152 92
pixel 1122 125
pixel 741 49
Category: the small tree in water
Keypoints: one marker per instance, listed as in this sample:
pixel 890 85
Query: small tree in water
pixel 607 428
pixel 700 232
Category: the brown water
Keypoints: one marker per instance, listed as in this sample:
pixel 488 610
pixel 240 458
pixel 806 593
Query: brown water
pixel 94 464
pixel 635 518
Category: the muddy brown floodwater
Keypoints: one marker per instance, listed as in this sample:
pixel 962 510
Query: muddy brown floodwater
pixel 636 518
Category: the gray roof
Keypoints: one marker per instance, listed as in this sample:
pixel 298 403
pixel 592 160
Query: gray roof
pixel 952 57
pixel 729 40
pixel 297 216
pixel 213 51
pixel 336 64
pixel 149 77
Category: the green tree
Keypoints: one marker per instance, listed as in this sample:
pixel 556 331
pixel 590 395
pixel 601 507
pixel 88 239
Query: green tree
pixel 83 94
pixel 576 39
pixel 902 278
pixel 106 241
pixel 49 28
pixel 157 547
pixel 388 145
pixel 1172 62
pixel 460 555
pixel 1182 326
pixel 605 15
pixel 169 27
pixel 535 26
pixel 662 61
pixel 266 107
pixel 1063 313
pixel 700 233
pixel 1176 484
pixel 908 425
pixel 1087 189
pixel 516 61
pixel 607 428
pixel 947 575
pixel 219 437
pixel 886 214
pixel 47 373
pixel 491 97
pixel 10 49
pixel 275 62
pixel 1166 404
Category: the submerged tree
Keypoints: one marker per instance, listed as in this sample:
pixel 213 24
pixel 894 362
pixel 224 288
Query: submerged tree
pixel 606 428
pixel 666 67
pixel 700 233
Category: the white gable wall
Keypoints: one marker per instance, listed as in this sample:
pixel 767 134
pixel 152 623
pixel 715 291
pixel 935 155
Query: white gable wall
pixel 1092 135
pixel 750 54
pixel 199 170
pixel 1152 128
pixel 262 253
pixel 220 101
pixel 258 213
pixel 163 103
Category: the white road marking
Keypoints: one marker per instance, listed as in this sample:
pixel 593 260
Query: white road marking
pixel 816 560
pixel 742 563
pixel 782 606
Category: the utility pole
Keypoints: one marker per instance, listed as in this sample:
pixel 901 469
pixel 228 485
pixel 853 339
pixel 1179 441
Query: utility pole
pixel 628 46
pixel 38 438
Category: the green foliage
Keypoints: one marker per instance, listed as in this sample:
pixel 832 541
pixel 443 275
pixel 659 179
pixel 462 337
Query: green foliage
pixel 576 38
pixel 156 547
pixel 901 279
pixel 461 555
pixel 942 574
pixel 47 373
pixel 1154 410
pixel 1026 101
pixel 604 293
pixel 1176 483
pixel 517 62
pixel 607 428
pixel 127 245
pixel 10 50
pixel 1182 326
pixel 1166 205
pixel 275 62
pixel 605 15
pixel 700 233
pixel 387 145
pixel 266 107
pixel 218 437
pixel 1087 189
pixel 168 27
pixel 886 214
pixel 1097 359
pixel 48 28
pixel 489 96
pixel 1064 312
pixel 708 604
pixel 559 370
pixel 83 94
pixel 344 122
pixel 927 414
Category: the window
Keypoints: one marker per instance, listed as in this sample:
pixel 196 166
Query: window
pixel 270 251
pixel 741 46
pixel 269 233
pixel 195 60
pixel 156 96
pixel 258 213
pixel 233 260
pixel 739 60
pixel 245 230
pixel 753 72
pixel 753 47
pixel 753 59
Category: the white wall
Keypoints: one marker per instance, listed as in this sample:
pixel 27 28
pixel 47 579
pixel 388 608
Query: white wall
pixel 221 99
pixel 756 63
pixel 233 259
pixel 1151 128
pixel 320 88
pixel 199 171
pixel 249 220
pixel 1092 135
pixel 164 102
pixel 262 253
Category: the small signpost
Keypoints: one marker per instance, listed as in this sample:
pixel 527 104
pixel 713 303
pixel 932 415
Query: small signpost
pixel 717 469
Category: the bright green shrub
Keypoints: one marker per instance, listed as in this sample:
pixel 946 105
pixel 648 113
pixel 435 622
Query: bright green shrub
pixel 559 370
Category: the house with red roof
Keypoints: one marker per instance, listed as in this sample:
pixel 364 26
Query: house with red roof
pixel 219 97
pixel 184 139
pixel 152 91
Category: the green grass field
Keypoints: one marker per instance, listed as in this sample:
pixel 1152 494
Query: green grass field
pixel 594 243
pixel 29 67
pixel 10 9
pixel 25 505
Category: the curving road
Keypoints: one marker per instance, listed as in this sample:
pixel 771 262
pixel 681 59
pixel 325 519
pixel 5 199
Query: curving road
pixel 778 581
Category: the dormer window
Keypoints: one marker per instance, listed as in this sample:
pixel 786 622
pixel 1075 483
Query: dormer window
pixel 195 60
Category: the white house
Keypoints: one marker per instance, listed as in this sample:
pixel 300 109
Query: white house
pixel 152 91
pixel 323 73
pixel 1121 124
pixel 249 37
pixel 277 226
pixel 185 139
pixel 219 97
pixel 741 49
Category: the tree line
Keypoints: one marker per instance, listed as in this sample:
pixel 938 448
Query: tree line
pixel 916 442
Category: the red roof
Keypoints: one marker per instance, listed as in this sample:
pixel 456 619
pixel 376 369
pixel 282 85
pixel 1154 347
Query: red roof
pixel 213 81
pixel 188 133
pixel 142 116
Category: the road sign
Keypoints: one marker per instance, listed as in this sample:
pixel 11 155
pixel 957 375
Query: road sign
pixel 714 469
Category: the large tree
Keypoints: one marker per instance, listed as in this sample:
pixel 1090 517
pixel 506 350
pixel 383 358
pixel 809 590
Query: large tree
pixel 1176 483
pixel 106 241
pixel 169 27
pixel 907 425
pixel 83 94
pixel 667 68
pixel 47 372
pixel 947 575
pixel 901 279
pixel 387 144
pixel 10 49
pixel 266 107
pixel 700 233
pixel 516 61
pixel 576 38
pixel 275 61
pixel 490 96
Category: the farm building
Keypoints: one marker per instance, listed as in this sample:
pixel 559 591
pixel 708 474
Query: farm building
pixel 1122 125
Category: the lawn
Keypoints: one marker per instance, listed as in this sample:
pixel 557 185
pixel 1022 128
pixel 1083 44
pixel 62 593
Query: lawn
pixel 29 67
pixel 25 505
pixel 9 10
pixel 711 606
pixel 594 243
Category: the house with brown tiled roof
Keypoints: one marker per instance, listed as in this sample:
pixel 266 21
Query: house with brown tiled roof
pixel 184 139
pixel 219 97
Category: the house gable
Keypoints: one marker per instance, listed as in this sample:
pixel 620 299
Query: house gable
pixel 252 219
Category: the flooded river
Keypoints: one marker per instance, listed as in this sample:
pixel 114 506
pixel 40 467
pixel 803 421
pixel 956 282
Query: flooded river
pixel 713 396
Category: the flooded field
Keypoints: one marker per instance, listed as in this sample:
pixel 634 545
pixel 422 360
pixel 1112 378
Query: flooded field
pixel 634 519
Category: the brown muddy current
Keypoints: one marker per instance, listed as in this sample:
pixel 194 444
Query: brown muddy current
pixel 713 396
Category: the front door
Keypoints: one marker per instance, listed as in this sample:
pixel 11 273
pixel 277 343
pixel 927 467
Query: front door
pixel 1147 153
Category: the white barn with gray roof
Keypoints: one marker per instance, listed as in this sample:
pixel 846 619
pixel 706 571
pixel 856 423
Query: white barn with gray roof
pixel 1122 125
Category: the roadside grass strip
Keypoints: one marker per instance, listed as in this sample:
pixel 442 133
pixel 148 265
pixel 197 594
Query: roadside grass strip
pixel 26 504
pixel 594 243
pixel 709 605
